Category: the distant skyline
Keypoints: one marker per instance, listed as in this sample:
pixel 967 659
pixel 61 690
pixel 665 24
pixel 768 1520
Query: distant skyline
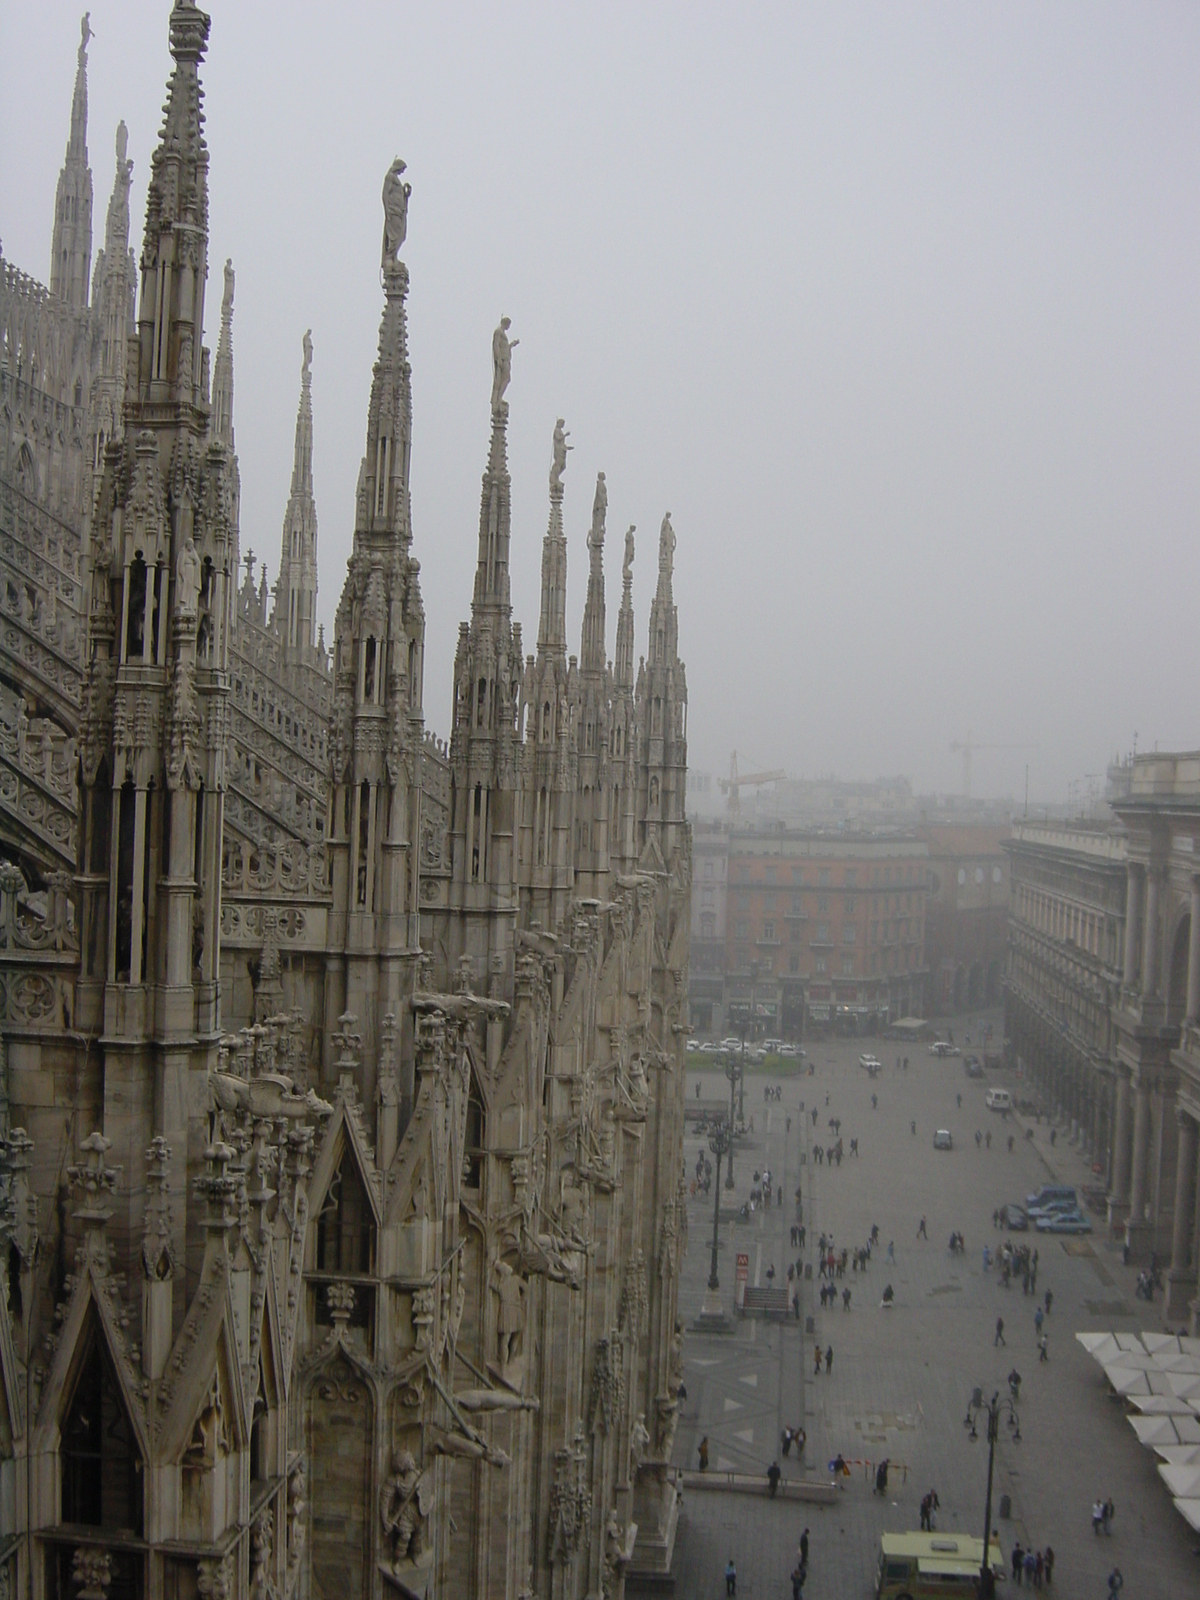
pixel 893 308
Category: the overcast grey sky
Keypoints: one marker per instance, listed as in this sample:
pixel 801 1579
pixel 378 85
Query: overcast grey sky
pixel 894 307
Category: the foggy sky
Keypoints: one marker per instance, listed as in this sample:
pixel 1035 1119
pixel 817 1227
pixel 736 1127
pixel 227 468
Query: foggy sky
pixel 894 308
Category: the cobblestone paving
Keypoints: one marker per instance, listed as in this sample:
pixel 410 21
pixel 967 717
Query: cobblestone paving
pixel 901 1378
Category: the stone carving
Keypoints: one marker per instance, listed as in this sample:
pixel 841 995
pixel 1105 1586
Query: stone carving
pixel 627 561
pixel 639 1441
pixel 559 463
pixel 91 1569
pixel 395 214
pixel 502 348
pixel 599 514
pixel 405 1502
pixel 511 1324
pixel 570 1500
pixel 187 580
pixel 666 546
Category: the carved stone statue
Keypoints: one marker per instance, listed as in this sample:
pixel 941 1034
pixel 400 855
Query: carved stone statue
pixel 85 34
pixel 599 512
pixel 502 348
pixel 187 580
pixel 561 447
pixel 405 1502
pixel 511 1290
pixel 395 213
pixel 227 296
pixel 639 1438
pixel 307 352
pixel 627 563
pixel 666 546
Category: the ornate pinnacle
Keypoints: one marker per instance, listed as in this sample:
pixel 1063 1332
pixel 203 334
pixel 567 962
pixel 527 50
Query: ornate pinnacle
pixel 94 1179
pixel 348 1042
pixel 158 1258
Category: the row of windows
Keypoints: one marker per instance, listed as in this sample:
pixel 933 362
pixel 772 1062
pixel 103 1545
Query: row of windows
pixel 795 906
pixel 903 875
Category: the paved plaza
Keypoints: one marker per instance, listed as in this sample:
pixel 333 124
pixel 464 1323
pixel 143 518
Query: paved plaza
pixel 901 1378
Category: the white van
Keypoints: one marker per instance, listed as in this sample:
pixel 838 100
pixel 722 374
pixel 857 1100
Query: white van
pixel 999 1100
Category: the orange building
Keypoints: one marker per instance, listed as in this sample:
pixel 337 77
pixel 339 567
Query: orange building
pixel 823 929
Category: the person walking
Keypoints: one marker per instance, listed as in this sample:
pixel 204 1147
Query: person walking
pixel 1042 1351
pixel 798 1577
pixel 773 1476
pixel 804 1549
pixel 1018 1561
pixel 816 1360
pixel 787 1442
pixel 704 1454
pixel 1049 1563
pixel 999 1339
pixel 846 1299
pixel 1097 1515
pixel 730 1578
pixel 829 1358
pixel 1115 1583
pixel 1110 1512
pixel 1049 1300
pixel 921 1233
pixel 1038 1319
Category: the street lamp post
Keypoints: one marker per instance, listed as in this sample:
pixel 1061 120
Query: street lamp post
pixel 993 1411
pixel 731 1072
pixel 719 1140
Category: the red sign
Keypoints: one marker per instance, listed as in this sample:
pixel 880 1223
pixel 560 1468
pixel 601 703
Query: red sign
pixel 743 1272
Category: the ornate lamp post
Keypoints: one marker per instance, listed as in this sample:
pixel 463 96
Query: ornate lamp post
pixel 719 1140
pixel 731 1072
pixel 992 1411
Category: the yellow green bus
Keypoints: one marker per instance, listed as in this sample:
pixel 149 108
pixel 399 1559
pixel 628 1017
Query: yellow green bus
pixel 930 1566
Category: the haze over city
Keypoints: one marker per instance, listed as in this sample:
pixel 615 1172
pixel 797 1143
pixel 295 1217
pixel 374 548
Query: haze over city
pixel 894 311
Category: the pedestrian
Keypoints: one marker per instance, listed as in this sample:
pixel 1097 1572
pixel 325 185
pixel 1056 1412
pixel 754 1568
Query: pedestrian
pixel 1038 1319
pixel 1097 1515
pixel 921 1233
pixel 1030 1567
pixel 796 1303
pixel 829 1358
pixel 959 1099
pixel 771 1273
pixel 730 1577
pixel 926 1503
pixel 704 1454
pixel 914 1127
pixel 881 1475
pixel 787 1441
pixel 1042 1355
pixel 978 1138
pixel 891 1255
pixel 846 1299
pixel 773 1477
pixel 1049 1565
pixel 789 1124
pixel 1115 1582
pixel 999 1339
pixel 1018 1561
pixel 987 1139
pixel 804 1549
pixel 817 1366
pixel 798 1577
pixel 1110 1512
pixel 1038 1570
pixel 1049 1300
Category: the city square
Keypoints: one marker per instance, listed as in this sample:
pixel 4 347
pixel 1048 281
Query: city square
pixel 902 1377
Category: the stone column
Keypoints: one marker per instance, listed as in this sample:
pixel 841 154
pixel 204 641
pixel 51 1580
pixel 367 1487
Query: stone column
pixel 1150 937
pixel 1133 906
pixel 1119 1197
pixel 1141 1154
pixel 1181 1276
pixel 1193 982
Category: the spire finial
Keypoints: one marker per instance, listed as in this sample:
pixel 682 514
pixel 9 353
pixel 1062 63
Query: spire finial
pixel 502 348
pixel 559 464
pixel 395 215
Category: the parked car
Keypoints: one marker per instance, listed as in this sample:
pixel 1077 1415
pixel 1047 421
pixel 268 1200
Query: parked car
pixel 974 1070
pixel 942 1140
pixel 1051 1191
pixel 943 1047
pixel 731 1044
pixel 692 1045
pixel 1052 1208
pixel 788 1052
pixel 1014 1218
pixel 1065 1222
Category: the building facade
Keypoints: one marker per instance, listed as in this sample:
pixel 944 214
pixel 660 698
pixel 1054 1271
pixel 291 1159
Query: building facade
pixel 824 930
pixel 341 1123
pixel 966 924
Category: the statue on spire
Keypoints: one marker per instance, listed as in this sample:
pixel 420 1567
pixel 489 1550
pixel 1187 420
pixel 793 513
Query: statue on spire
pixel 85 34
pixel 599 513
pixel 307 368
pixel 395 214
pixel 227 297
pixel 627 563
pixel 502 349
pixel 666 546
pixel 559 465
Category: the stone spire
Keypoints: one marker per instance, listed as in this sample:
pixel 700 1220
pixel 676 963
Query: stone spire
pixel 592 644
pixel 383 511
pixel 623 660
pixel 664 619
pixel 296 594
pixel 175 247
pixel 220 420
pixel 552 626
pixel 114 290
pixel 495 503
pixel 662 715
pixel 71 247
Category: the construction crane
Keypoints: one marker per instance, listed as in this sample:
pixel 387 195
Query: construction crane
pixel 967 747
pixel 736 781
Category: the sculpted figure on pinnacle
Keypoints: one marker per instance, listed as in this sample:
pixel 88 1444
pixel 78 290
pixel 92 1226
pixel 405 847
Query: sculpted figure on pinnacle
pixel 599 513
pixel 666 546
pixel 502 348
pixel 627 563
pixel 395 214
pixel 559 465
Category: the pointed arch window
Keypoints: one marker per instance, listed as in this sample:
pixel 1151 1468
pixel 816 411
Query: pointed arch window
pixel 99 1462
pixel 345 1226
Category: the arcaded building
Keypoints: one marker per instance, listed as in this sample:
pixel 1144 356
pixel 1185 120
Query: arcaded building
pixel 342 1088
